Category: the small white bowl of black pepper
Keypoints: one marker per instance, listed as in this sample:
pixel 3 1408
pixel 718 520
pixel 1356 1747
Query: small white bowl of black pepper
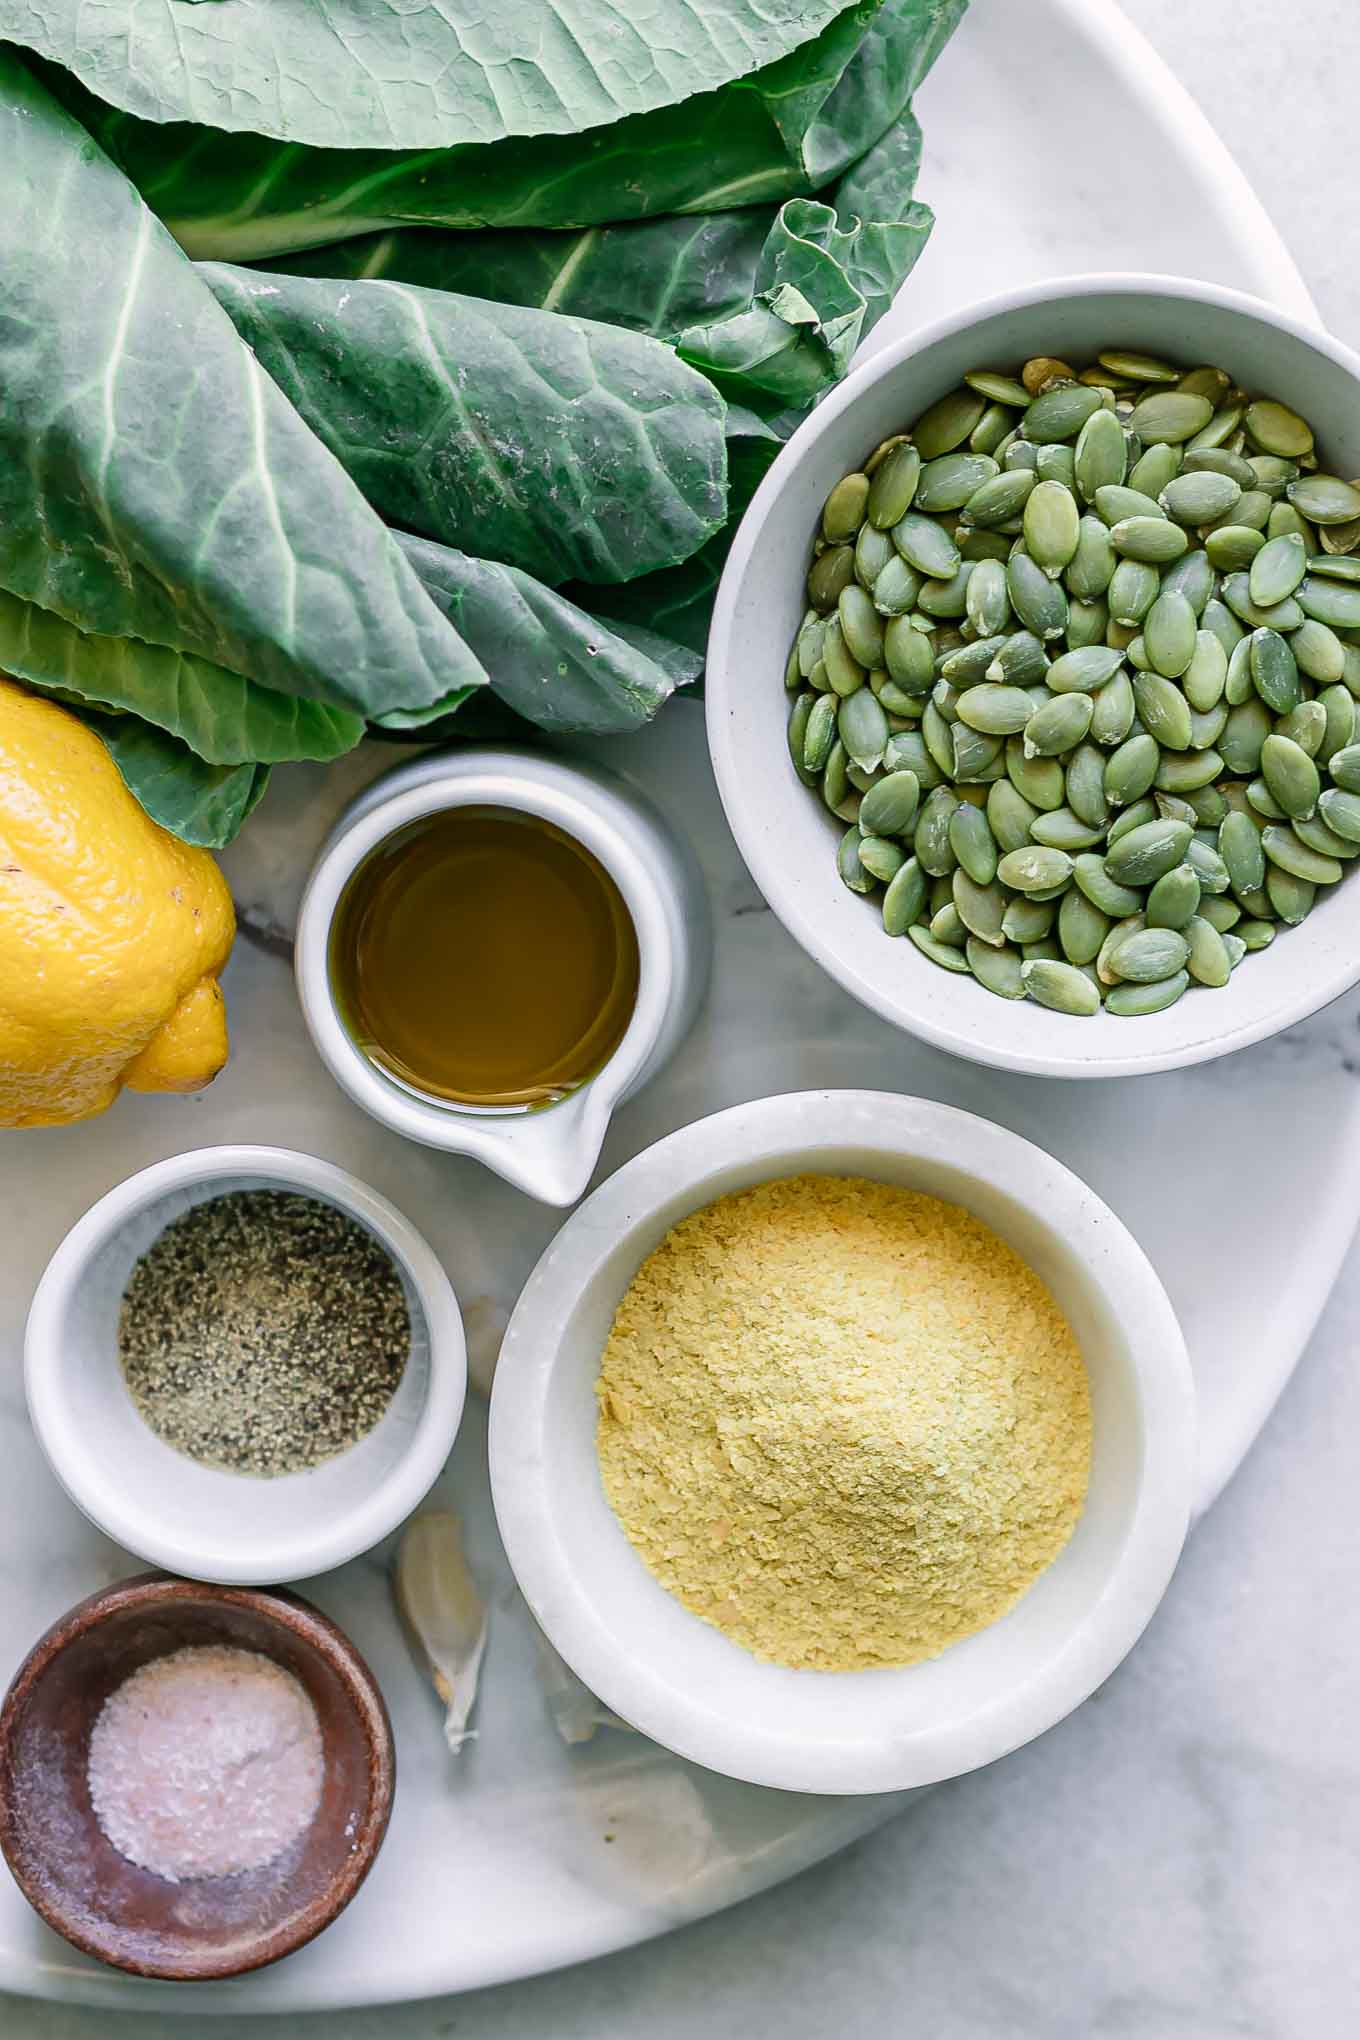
pixel 245 1365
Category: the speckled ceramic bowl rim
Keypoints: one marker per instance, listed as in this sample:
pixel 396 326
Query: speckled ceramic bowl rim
pixel 782 1136
pixel 1072 1054
pixel 159 1592
pixel 131 1518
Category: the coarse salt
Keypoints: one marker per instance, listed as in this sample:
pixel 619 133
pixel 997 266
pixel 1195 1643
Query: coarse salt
pixel 205 1763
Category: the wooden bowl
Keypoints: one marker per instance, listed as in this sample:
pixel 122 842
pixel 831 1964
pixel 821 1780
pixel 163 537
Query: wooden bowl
pixel 68 1870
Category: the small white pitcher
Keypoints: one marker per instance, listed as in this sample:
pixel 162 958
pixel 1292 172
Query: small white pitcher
pixel 550 1151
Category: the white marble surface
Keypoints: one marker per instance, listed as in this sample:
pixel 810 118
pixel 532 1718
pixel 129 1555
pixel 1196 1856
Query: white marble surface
pixel 1179 1861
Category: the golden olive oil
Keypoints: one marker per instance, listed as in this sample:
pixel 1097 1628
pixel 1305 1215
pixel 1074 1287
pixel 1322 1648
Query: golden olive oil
pixel 485 957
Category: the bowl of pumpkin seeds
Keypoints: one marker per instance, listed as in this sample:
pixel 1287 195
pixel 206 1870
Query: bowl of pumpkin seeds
pixel 1034 683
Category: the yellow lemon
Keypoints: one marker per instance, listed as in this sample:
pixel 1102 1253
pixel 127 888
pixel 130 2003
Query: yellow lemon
pixel 112 932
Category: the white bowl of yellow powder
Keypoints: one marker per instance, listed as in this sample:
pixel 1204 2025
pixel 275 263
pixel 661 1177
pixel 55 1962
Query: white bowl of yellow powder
pixel 843 1442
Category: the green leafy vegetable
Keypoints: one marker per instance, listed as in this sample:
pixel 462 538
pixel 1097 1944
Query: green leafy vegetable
pixel 225 718
pixel 786 132
pixel 154 483
pixel 379 74
pixel 200 803
pixel 561 445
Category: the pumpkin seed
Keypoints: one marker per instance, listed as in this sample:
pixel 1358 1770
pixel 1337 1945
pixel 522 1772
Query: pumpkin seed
pixel 1057 464
pixel 1199 498
pixel 1021 457
pixel 843 670
pixel 1039 780
pixel 987 602
pixel 1204 678
pixel 1138 367
pixel 845 507
pixel 873 550
pixel 1153 540
pixel 1207 958
pixel 905 899
pixel 1216 460
pixel 997 968
pixel 1170 415
pixel 1209 805
pixel 1206 382
pixel 1274 671
pixel 890 806
pixel 1290 897
pixel 878 856
pixel 1114 503
pixel 1286 850
pixel 1163 710
pixel 1038 601
pixel 930 839
pixel 1136 1001
pixel 1062 987
pixel 926 545
pixel 1261 801
pixel 1315 833
pixel 863 729
pixel 1153 469
pixel 1174 898
pixel 853 872
pixel 829 573
pixel 992 430
pixel 1092 565
pixel 819 733
pixel 1061 723
pixel 1112 711
pixel 1169 635
pixel 1221 428
pixel 1345 768
pixel 1021 660
pixel 1087 624
pixel 1233 546
pixel 1082 928
pixel 1276 571
pixel 1060 413
pixel 1340 810
pixel 1291 776
pixel 1334 568
pixel 1184 771
pixel 1114 900
pixel 1133 589
pixel 1084 670
pixel 1133 817
pixel 1278 430
pixel 1027 921
pixel 1206 863
pixel 836 782
pixel 1148 955
pixel 971 840
pixel 938 952
pixel 1062 829
pixel 1339 729
pixel 1042 370
pixel 1325 499
pixel 893 488
pixel 947 483
pixel 1036 868
pixel 1220 912
pixel 1284 521
pixel 980 908
pixel 1100 458
pixel 995 710
pixel 896 588
pixel 1084 783
pixel 998 389
pixel 1052 525
pixel 977 756
pixel 947 422
pixel 947 599
pixel 1255 934
pixel 1134 925
pixel 799 718
pixel 1306 725
pixel 965 666
pixel 1142 854
pixel 1131 770
pixel 861 626
pixel 1330 601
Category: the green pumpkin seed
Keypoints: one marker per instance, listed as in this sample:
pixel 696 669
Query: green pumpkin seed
pixel 1087 624
pixel 908 656
pixel 1062 829
pixel 1208 959
pixel 947 422
pixel 1100 459
pixel 1345 768
pixel 1207 382
pixel 930 840
pixel 1153 540
pixel 896 588
pixel 1082 928
pixel 1021 457
pixel 1036 868
pixel 853 872
pixel 1204 678
pixel 1133 589
pixel 1276 571
pixel 1242 853
pixel 1148 955
pixel 1220 912
pixel 1318 652
pixel 1219 619
pixel 1289 853
pixel 1084 783
pixel 1115 503
pixel 1183 772
pixel 1330 601
pixel 1056 464
pixel 1340 538
pixel 1174 898
pixel 947 483
pixel 1133 817
pixel 1114 900
pixel 1021 660
pixel 1281 616
pixel 1315 833
pixel 1284 521
pixel 1112 711
pixel 1136 1001
pixel 1306 725
pixel 939 738
pixel 996 967
pixel 927 546
pixel 1278 430
pixel 1130 771
pixel 995 710
pixel 1169 635
pixel 836 781
pixel 1206 863
pixel 893 487
pixel 1261 801
pixel 977 756
pixel 1339 728
pixel 1291 776
pixel 1137 367
pixel 1333 567
pixel 1340 810
pixel 1172 416
pixel 1209 805
pixel 999 389
pixel 1134 925
pixel 829 573
pixel 1052 526
pixel 1039 780
pixel 1195 499
pixel 878 856
pixel 845 507
pixel 1083 670
pixel 1174 807
pixel 1193 577
pixel 966 664
pixel 1140 856
pixel 1291 898
pixel 971 840
pixel 993 432
pixel 863 729
pixel 997 501
pixel 942 953
pixel 1028 921
pixel 1153 469
pixel 987 601
pixel 1009 815
pixel 1233 546
pixel 1060 413
pixel 1038 601
pixel 1239 686
pixel 1061 723
pixel 1207 727
pixel 905 899
pixel 1216 460
pixel 1221 428
pixel 980 907
pixel 890 806
pixel 1274 671
pixel 947 599
pixel 861 626
pixel 1163 710
pixel 1092 565
pixel 1325 499
pixel 1271 474
pixel 873 551
pixel 819 733
pixel 1255 934
pixel 1062 987
pixel 799 718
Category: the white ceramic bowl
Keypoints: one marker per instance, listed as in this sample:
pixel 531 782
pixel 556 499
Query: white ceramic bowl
pixel 787 837
pixel 683 1682
pixel 164 1506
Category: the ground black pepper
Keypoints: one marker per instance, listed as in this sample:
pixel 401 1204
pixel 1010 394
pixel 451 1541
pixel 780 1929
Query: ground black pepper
pixel 263 1332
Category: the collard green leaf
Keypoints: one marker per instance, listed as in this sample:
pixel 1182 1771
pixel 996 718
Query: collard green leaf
pixel 785 132
pixel 561 445
pixel 200 803
pixel 226 719
pixel 380 74
pixel 154 483
pixel 549 660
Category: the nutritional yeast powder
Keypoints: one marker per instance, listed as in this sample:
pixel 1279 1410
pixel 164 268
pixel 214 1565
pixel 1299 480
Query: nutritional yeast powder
pixel 843 1422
